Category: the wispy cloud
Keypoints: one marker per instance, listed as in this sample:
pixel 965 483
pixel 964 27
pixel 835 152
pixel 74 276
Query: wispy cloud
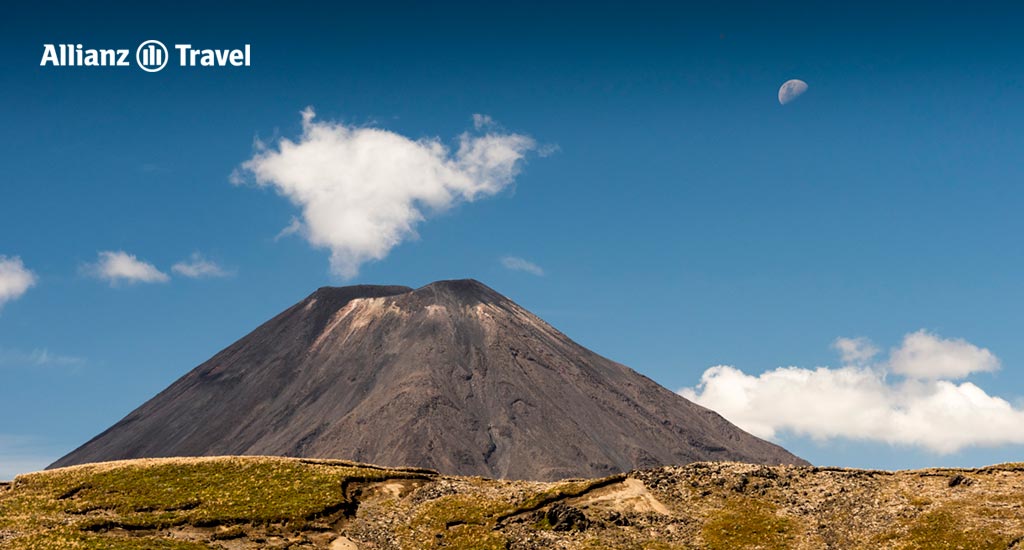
pixel 482 122
pixel 37 358
pixel 293 228
pixel 548 149
pixel 855 351
pixel 15 279
pixel 120 267
pixel 910 398
pixel 362 191
pixel 519 264
pixel 199 267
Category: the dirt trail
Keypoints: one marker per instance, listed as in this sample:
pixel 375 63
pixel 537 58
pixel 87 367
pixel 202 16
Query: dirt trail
pixel 343 543
pixel 629 496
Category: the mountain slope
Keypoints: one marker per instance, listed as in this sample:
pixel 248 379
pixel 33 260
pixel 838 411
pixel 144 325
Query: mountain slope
pixel 452 376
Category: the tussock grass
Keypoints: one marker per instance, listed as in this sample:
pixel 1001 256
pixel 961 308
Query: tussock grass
pixel 97 505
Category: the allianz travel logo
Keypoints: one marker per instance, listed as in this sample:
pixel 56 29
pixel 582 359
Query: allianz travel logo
pixel 150 56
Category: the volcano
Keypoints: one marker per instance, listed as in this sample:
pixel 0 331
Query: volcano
pixel 452 376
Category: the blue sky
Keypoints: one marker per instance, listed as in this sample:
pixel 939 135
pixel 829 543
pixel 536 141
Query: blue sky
pixel 682 217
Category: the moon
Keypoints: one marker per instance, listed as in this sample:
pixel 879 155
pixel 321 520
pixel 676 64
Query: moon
pixel 791 90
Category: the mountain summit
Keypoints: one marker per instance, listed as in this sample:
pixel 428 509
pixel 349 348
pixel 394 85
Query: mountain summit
pixel 451 376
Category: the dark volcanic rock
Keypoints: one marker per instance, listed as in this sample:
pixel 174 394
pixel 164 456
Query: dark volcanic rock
pixel 562 517
pixel 451 376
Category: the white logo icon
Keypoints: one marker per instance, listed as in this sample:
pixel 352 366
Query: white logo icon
pixel 151 56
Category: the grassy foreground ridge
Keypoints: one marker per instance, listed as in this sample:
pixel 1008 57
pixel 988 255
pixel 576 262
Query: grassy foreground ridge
pixel 266 502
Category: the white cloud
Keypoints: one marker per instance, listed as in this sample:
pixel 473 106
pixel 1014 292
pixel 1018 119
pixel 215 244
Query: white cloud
pixel 910 406
pixel 520 264
pixel 362 191
pixel 119 266
pixel 924 355
pixel 198 267
pixel 15 279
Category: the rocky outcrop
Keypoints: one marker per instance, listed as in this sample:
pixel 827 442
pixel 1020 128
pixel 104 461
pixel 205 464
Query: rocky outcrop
pixel 250 503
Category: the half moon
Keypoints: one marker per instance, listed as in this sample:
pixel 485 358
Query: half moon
pixel 791 90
